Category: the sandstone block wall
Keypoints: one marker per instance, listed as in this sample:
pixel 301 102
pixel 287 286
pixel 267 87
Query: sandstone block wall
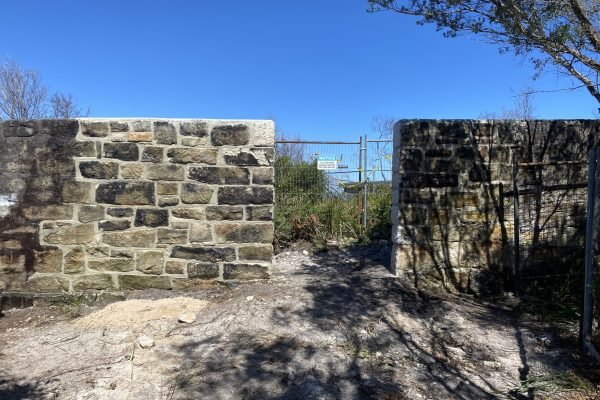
pixel 453 200
pixel 131 204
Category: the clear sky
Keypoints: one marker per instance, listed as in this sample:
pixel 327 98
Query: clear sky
pixel 321 68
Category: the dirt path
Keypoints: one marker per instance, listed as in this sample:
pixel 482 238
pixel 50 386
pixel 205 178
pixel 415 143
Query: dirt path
pixel 334 325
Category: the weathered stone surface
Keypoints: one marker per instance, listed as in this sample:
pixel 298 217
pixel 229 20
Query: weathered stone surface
pixel 175 267
pixel 153 154
pixel 197 129
pixel 122 253
pixel 200 233
pixel 84 149
pixel 46 284
pixel 187 317
pixel 207 254
pixel 48 260
pixel 99 169
pixel 184 155
pixel 243 232
pixel 132 171
pixel 74 261
pixel 97 251
pixel 130 239
pixel 90 213
pixel 118 137
pixel 112 264
pixel 192 193
pixel 150 262
pixel 78 234
pixel 245 195
pixel 126 193
pixel 94 129
pixel 245 271
pixel 203 270
pixel 164 133
pixel 262 176
pixel 93 282
pixel 141 126
pixel 230 135
pixel 220 175
pixel 263 133
pixel 249 157
pixel 162 172
pixel 151 217
pixel 259 213
pixel 114 225
pixel 140 136
pixel 167 188
pixel 77 192
pixel 128 282
pixel 188 213
pixel 122 151
pixel 219 213
pixel 171 236
pixel 168 201
pixel 53 212
pixel 120 212
pixel 256 253
pixel 117 126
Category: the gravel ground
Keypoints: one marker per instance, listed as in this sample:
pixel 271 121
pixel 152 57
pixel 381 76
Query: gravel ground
pixel 330 325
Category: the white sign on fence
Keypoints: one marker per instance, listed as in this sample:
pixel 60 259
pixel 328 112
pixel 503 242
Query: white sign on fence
pixel 327 162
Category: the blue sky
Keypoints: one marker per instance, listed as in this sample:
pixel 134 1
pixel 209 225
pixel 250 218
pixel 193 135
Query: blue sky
pixel 321 68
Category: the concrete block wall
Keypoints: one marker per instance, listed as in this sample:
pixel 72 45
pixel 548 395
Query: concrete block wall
pixel 452 195
pixel 100 204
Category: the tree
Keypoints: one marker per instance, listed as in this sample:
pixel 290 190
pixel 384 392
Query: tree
pixel 23 95
pixel 565 33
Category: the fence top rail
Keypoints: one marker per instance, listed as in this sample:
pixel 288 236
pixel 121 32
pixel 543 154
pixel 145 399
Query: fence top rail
pixel 311 142
pixel 379 140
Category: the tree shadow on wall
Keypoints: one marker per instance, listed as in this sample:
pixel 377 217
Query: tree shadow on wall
pixel 14 388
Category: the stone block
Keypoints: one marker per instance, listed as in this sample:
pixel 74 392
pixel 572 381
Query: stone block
pixel 243 232
pixel 153 154
pixel 189 213
pixel 197 129
pixel 116 225
pixel 230 135
pixel 144 238
pixel 48 260
pixel 99 169
pixel 120 212
pixel 150 262
pixel 165 172
pixel 259 213
pixel 228 213
pixel 51 212
pixel 186 155
pixel 194 141
pixel 97 251
pixel 74 261
pixel 90 213
pixel 164 133
pixel 438 152
pixel 263 133
pixel 122 253
pixel 77 192
pixel 117 126
pixel 245 195
pixel 151 217
pixel 200 233
pixel 122 151
pixel 192 193
pixel 132 171
pixel 129 282
pixel 175 267
pixel 118 137
pixel 46 284
pixel 168 201
pixel 203 270
pixel 84 149
pixel 94 129
pixel 93 282
pixel 262 176
pixel 171 236
pixel 112 264
pixel 141 126
pixel 126 193
pixel 249 157
pixel 78 234
pixel 220 175
pixel 245 271
pixel 140 136
pixel 167 188
pixel 206 253
pixel 256 253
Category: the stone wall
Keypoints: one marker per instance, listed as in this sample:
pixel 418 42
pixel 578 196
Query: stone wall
pixel 131 204
pixel 453 200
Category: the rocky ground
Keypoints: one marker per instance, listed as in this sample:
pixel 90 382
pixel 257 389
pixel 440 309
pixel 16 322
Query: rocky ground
pixel 330 325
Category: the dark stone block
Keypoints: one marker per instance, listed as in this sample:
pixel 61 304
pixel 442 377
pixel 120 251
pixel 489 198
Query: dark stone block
pixel 120 212
pixel 245 271
pixel 438 153
pixel 429 180
pixel 118 225
pixel 242 158
pixel 164 133
pixel 126 193
pixel 230 135
pixel 259 213
pixel 94 129
pixel 152 154
pixel 66 128
pixel 84 149
pixel 467 153
pixel 479 173
pixel 203 270
pixel 207 254
pixel 410 159
pixel 245 195
pixel 198 129
pixel 192 193
pixel 220 213
pixel 122 151
pixel 99 170
pixel 220 175
pixel 262 176
pixel 116 126
pixel 151 217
